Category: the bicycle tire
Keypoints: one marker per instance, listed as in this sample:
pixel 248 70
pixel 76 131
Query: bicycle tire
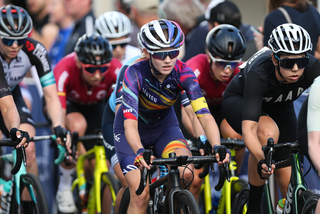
pixel 185 203
pixel 236 187
pixel 302 199
pixel 240 201
pixel 311 204
pixel 41 205
pixel 113 183
pixel 125 200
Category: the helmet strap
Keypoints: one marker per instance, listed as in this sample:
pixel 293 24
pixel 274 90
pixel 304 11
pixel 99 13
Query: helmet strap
pixel 278 69
pixel 153 69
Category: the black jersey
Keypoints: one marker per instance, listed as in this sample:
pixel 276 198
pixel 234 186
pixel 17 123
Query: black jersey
pixel 258 85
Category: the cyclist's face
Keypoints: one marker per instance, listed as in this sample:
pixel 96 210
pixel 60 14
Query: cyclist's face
pixel 164 66
pixel 289 75
pixel 119 47
pixel 10 52
pixel 220 73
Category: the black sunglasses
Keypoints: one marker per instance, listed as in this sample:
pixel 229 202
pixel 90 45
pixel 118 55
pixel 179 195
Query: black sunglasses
pixel 162 55
pixel 10 42
pixel 288 63
pixel 122 45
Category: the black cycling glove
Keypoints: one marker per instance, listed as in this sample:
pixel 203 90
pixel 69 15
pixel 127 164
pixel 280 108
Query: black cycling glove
pixel 61 132
pixel 259 167
pixel 13 135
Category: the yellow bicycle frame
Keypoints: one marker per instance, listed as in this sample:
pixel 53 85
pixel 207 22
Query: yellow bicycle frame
pixel 224 206
pixel 94 200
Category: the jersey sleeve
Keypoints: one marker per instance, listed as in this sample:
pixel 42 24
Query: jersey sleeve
pixel 253 97
pixel 39 58
pixel 190 84
pixel 61 76
pixel 130 92
pixel 313 115
pixel 118 88
pixel 4 87
pixel 184 99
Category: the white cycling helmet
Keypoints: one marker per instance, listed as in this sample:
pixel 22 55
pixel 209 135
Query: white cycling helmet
pixel 153 38
pixel 113 24
pixel 290 39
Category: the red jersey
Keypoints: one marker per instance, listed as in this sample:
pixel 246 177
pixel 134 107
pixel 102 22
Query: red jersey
pixel 212 90
pixel 72 86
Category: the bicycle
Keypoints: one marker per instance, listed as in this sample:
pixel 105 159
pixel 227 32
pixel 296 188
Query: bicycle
pixel 21 180
pixel 232 185
pixel 91 195
pixel 166 193
pixel 297 193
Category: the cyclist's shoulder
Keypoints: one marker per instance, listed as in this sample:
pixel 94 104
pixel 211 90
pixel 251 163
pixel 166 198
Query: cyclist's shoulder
pixel 67 64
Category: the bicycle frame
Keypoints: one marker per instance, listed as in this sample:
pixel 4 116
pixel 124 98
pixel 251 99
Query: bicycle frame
pixel 94 200
pixel 295 185
pixel 225 200
pixel 16 178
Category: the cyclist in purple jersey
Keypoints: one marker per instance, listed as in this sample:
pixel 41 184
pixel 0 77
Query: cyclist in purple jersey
pixel 150 88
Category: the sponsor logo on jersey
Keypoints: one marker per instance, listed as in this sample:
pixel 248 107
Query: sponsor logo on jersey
pixel 283 98
pixel 29 46
pixel 62 79
pixel 148 95
pixel 41 53
pixel 101 94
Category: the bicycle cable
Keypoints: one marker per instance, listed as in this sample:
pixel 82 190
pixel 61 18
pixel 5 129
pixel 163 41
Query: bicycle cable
pixel 185 182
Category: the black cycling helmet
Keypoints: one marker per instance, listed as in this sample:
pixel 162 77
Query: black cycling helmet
pixel 88 47
pixel 221 38
pixel 14 22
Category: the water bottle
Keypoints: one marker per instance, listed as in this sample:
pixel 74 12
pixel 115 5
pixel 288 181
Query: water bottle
pixel 6 197
pixel 280 206
pixel 215 200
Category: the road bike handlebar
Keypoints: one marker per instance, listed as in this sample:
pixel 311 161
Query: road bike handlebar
pixel 61 148
pixel 20 154
pixel 176 161
pixel 270 147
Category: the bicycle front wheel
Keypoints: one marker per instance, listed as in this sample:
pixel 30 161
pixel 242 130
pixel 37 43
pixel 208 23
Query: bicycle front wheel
pixel 310 205
pixel 185 203
pixel 109 192
pixel 125 200
pixel 36 202
pixel 303 197
pixel 240 201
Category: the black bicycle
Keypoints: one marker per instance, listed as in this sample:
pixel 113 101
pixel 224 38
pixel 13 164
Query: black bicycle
pixel 166 193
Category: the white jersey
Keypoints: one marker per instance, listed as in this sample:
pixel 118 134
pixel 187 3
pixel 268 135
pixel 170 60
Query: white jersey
pixel 131 52
pixel 313 116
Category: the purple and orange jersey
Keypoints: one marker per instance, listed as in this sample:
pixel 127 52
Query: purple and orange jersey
pixel 144 97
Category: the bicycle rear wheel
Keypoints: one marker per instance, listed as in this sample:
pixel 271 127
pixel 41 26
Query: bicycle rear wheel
pixel 38 203
pixel 240 201
pixel 311 204
pixel 109 182
pixel 303 197
pixel 185 203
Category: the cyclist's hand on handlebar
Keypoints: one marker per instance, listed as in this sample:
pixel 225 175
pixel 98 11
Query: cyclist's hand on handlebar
pixel 226 160
pixel 16 134
pixel 63 137
pixel 263 169
pixel 139 160
pixel 201 141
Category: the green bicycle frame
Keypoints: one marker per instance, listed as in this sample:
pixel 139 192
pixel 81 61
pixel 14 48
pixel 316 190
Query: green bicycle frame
pixel 16 178
pixel 295 185
pixel 94 200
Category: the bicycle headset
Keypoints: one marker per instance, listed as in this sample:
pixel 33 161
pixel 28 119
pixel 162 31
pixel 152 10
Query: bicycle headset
pixel 88 47
pixel 113 24
pixel 220 38
pixel 14 22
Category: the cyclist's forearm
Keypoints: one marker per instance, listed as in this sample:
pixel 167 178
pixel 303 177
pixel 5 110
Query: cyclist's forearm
pixel 250 138
pixel 132 134
pixel 53 104
pixel 9 112
pixel 211 129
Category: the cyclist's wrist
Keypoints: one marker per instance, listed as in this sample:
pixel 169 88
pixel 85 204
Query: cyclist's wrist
pixel 139 157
